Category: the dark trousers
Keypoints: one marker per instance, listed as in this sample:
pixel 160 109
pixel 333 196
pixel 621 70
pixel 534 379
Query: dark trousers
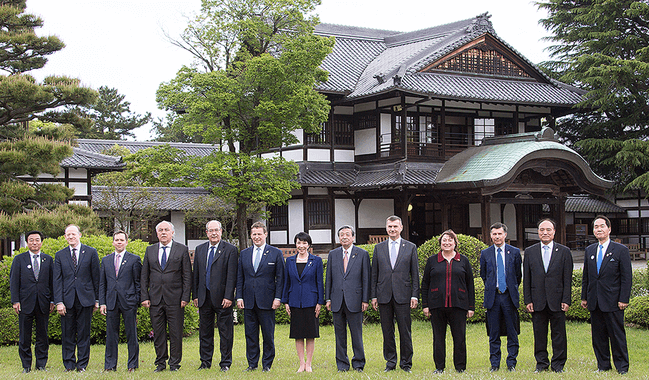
pixel 557 322
pixel 456 319
pixel 112 335
pixel 254 319
pixel 502 308
pixel 41 346
pixel 390 312
pixel 163 315
pixel 75 329
pixel 609 327
pixel 342 318
pixel 225 323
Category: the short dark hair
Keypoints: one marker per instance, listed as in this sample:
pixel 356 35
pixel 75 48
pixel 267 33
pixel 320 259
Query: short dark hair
pixel 39 233
pixel 452 234
pixel 346 227
pixel 258 225
pixel 498 225
pixel 606 220
pixel 120 232
pixel 303 236
pixel 554 225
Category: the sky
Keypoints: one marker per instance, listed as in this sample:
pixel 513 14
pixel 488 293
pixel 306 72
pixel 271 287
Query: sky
pixel 122 44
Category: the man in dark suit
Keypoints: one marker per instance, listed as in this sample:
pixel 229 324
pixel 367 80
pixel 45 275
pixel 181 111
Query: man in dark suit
pixel 258 294
pixel 31 297
pixel 166 284
pixel 347 291
pixel 119 293
pixel 547 284
pixel 394 291
pixel 500 269
pixel 76 294
pixel 605 292
pixel 215 277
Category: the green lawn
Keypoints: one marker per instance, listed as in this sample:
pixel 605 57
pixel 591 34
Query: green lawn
pixel 580 365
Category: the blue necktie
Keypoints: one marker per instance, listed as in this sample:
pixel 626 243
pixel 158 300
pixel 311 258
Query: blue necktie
pixel 502 282
pixel 210 258
pixel 163 262
pixel 257 259
pixel 600 257
pixel 546 257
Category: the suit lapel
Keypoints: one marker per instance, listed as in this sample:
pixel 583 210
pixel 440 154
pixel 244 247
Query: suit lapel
pixel 352 260
pixel 607 257
pixel 156 259
pixel 309 265
pixel 110 259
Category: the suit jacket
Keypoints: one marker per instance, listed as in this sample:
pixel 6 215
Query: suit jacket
pixel 31 293
pixel 549 289
pixel 435 285
pixel 489 270
pixel 307 289
pixel 353 285
pixel 402 282
pixel 84 283
pixel 171 285
pixel 223 275
pixel 125 286
pixel 613 283
pixel 265 285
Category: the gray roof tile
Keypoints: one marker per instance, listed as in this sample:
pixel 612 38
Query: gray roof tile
pixel 587 204
pixel 99 146
pixel 82 158
pixel 163 198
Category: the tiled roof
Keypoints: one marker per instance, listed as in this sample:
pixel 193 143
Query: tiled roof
pixel 366 62
pixel 99 146
pixel 162 198
pixel 587 204
pixel 82 158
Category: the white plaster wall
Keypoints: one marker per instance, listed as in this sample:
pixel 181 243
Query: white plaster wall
pixel 192 243
pixel 299 133
pixel 295 217
pixel 293 155
pixel 343 110
pixel 320 236
pixel 80 203
pixel 365 141
pixel 364 107
pixel 494 212
pixel 630 203
pixel 178 220
pixel 373 212
pixel 386 127
pixel 318 191
pixel 475 216
pixel 78 173
pixel 278 237
pixel 80 188
pixel 343 155
pixel 344 214
pixel 270 155
pixel 509 216
pixel 321 155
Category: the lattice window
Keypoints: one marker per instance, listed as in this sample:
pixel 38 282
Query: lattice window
pixel 321 138
pixel 279 217
pixel 343 130
pixel 319 211
pixel 482 61
pixel 366 121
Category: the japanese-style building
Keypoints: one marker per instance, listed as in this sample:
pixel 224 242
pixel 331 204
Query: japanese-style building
pixel 447 127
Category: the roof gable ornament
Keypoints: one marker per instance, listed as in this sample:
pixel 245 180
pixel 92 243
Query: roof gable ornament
pixel 481 25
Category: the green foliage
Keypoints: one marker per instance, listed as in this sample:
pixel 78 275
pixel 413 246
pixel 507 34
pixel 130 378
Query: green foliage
pixel 469 247
pixel 9 329
pixel 50 222
pixel 638 311
pixel 575 311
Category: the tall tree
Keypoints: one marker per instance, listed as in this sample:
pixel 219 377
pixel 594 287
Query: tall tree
pixel 111 117
pixel 602 46
pixel 260 63
pixel 22 99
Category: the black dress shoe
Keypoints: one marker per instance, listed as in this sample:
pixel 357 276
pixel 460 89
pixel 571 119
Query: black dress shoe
pixel 494 369
pixel 343 370
pixel 511 368
pixel 225 368
pixel 27 370
pixel 406 369
pixel 250 369
pixel 132 369
pixel 622 372
pixel 438 371
pixel 81 370
pixel 460 370
pixel 159 369
pixel 558 370
pixel 539 370
pixel 266 369
pixel 388 369
pixel 174 369
pixel 358 369
pixel 203 366
pixel 41 369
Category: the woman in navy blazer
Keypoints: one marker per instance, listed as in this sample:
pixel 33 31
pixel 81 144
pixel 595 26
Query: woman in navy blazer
pixel 303 297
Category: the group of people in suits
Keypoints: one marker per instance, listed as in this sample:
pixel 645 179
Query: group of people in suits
pixel 75 284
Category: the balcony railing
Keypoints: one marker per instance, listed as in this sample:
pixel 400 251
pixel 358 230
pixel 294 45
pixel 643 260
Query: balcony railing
pixel 424 144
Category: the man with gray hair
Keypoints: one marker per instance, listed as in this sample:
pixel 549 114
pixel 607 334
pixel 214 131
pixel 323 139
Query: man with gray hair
pixel 215 278
pixel 347 291
pixel 166 287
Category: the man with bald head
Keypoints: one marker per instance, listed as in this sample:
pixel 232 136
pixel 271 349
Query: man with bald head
pixel 166 287
pixel 76 295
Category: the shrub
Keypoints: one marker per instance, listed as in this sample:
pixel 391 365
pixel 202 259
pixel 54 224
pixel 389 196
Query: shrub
pixel 9 331
pixel 638 311
pixel 639 284
pixel 575 311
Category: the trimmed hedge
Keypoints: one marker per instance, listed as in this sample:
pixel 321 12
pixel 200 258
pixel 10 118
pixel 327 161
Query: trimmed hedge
pixel 104 246
pixel 638 311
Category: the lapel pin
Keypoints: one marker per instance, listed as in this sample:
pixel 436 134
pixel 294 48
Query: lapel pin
pixel 29 267
pixel 592 257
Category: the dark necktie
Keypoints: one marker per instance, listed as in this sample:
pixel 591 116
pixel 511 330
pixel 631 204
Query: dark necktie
pixel 37 267
pixel 210 258
pixel 163 261
pixel 502 282
pixel 74 259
